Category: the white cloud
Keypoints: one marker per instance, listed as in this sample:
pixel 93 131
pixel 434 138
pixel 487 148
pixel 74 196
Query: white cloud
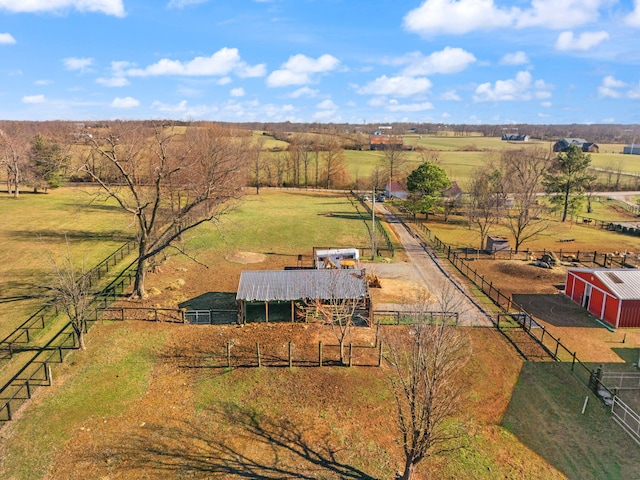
pixel 237 92
pixel 448 60
pixel 224 62
pixel 184 110
pixel 113 81
pixel 560 14
pixel 83 65
pixel 42 83
pixel 633 18
pixel 126 102
pixel 457 17
pixel 614 88
pixel 108 7
pixel 224 81
pixel 184 3
pixel 463 16
pixel 33 99
pixel 522 87
pixel 298 70
pixel 451 95
pixel 400 86
pixel 304 92
pixel 7 39
pixel 586 40
pixel 516 58
pixel 411 107
pixel 327 105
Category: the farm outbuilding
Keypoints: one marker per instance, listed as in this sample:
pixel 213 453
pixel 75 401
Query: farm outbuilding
pixel 293 295
pixel 612 295
pixel 497 243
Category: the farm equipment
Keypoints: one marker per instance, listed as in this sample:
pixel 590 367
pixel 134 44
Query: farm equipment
pixel 548 260
pixel 373 281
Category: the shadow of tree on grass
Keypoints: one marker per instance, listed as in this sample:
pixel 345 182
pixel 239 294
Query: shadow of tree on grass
pixel 242 443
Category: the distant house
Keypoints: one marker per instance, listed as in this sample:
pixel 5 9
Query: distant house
pixel 562 145
pixel 383 142
pixel 453 193
pixel 395 190
pixel 515 137
pixel 631 150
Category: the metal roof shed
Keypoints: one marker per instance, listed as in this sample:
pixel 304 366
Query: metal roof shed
pixel 612 295
pixel 295 286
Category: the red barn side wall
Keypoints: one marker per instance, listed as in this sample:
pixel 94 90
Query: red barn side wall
pixel 630 314
pixel 596 302
pixel 611 311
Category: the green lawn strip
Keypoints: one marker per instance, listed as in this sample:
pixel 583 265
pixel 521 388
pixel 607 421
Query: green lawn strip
pixel 101 381
pixel 545 414
pixel 284 222
pixel 36 227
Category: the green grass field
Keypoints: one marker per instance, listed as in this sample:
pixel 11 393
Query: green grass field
pixel 112 382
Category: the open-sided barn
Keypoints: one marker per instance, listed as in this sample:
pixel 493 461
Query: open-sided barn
pixel 612 295
pixel 267 295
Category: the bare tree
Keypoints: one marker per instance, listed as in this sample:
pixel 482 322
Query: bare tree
pixel 523 172
pixel 14 149
pixel 258 163
pixel 336 307
pixel 425 364
pixel 169 183
pixel 395 158
pixel 486 200
pixel 72 292
pixel 333 163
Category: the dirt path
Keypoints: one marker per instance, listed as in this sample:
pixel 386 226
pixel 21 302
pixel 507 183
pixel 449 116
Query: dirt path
pixel 437 275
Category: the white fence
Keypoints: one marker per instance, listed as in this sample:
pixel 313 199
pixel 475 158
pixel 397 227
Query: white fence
pixel 621 380
pixel 629 419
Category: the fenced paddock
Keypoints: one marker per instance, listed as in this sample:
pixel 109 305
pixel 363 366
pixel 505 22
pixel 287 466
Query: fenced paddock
pixel 238 354
pixel 211 317
pixel 626 417
pixel 621 380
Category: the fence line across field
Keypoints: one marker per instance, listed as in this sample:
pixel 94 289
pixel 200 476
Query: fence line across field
pixel 515 314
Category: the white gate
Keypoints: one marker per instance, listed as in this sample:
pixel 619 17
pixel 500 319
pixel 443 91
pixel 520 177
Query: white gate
pixel 629 419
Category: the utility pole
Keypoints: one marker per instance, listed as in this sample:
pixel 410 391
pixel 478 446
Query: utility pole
pixel 373 224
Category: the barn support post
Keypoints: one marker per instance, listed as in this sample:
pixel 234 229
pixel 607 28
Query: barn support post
pixel 266 311
pixel 293 310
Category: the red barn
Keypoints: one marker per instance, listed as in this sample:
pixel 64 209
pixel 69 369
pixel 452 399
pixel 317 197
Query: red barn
pixel 613 295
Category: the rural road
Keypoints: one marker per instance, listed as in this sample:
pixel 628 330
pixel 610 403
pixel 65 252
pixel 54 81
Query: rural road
pixel 438 275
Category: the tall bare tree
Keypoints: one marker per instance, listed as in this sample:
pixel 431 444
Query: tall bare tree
pixel 523 172
pixel 257 164
pixel 395 158
pixel 425 364
pixel 169 182
pixel 72 292
pixel 14 149
pixel 486 200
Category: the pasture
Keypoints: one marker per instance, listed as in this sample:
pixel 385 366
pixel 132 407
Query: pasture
pixel 161 410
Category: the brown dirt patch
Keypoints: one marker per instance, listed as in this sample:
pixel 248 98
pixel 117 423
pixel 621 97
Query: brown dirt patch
pixel 516 276
pixel 246 257
pixel 282 421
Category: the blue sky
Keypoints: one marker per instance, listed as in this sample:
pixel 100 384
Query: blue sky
pixel 448 61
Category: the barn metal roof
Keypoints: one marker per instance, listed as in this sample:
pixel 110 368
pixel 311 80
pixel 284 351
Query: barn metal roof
pixel 285 285
pixel 623 282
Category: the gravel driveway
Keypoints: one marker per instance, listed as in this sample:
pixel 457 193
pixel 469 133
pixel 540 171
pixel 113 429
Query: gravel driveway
pixel 439 276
